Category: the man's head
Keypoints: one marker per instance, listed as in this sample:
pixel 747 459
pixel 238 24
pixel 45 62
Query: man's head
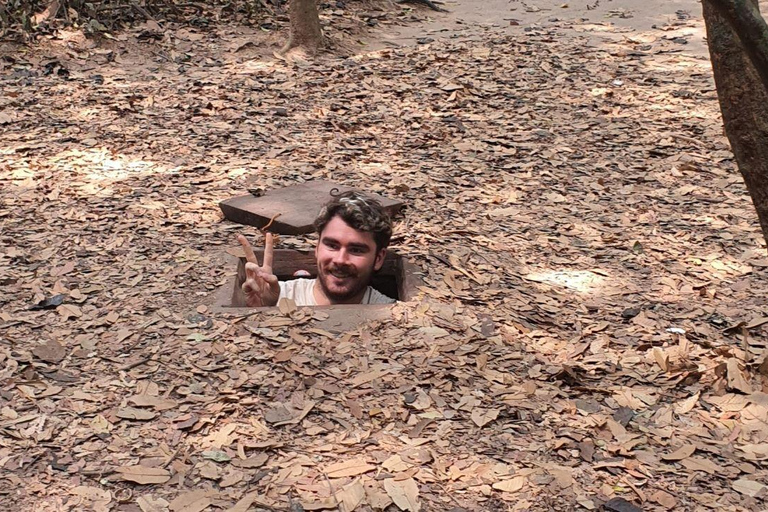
pixel 354 234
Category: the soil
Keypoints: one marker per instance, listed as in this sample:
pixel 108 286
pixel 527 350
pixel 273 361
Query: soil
pixel 601 19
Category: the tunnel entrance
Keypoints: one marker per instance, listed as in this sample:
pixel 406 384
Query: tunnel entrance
pixel 398 278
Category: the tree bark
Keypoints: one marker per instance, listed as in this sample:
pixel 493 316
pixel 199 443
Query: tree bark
pixel 751 29
pixel 306 36
pixel 744 105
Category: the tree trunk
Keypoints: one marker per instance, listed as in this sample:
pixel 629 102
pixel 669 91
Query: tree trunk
pixel 751 29
pixel 744 105
pixel 306 37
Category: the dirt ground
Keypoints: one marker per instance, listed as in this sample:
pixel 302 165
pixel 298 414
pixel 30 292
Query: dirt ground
pixel 612 19
pixel 590 330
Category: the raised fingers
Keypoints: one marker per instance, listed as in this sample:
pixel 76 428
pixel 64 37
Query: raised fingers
pixel 268 253
pixel 249 255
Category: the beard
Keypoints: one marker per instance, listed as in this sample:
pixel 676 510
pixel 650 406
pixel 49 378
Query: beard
pixel 342 283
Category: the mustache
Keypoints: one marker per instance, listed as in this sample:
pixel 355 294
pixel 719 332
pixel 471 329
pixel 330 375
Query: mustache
pixel 342 270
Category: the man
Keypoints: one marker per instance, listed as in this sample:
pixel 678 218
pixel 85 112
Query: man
pixel 354 232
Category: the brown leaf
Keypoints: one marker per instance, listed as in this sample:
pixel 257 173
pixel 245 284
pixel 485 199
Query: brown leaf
pixel 757 322
pixel 149 503
pixel 51 352
pixel 143 475
pixel 231 478
pixel 132 413
pixel 351 496
pixel 686 405
pixel 63 270
pixel 683 452
pixel 482 417
pixel 661 358
pixel 157 403
pixel 404 493
pixel 348 468
pixel 254 461
pixel 664 499
pixel 279 413
pixel 512 485
pixel 701 464
pixel 367 377
pixel 736 380
pixel 286 305
pixel 245 502
pixel 377 499
pixel 100 497
pixel 282 414
pixel 68 311
pixel 750 487
pixel 193 501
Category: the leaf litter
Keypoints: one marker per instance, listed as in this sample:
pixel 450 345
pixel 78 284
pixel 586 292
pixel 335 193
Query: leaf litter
pixel 553 186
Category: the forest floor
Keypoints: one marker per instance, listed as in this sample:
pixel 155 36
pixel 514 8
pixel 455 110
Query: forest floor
pixel 589 335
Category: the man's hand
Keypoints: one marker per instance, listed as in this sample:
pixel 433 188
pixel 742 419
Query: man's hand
pixel 261 287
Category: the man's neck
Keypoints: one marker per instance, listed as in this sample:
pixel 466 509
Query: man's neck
pixel 321 299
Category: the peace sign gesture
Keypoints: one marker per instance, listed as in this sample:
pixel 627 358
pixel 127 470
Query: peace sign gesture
pixel 261 286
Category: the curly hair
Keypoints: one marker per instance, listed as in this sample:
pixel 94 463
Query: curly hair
pixel 361 213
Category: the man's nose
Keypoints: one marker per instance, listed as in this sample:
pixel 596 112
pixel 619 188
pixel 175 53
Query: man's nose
pixel 341 257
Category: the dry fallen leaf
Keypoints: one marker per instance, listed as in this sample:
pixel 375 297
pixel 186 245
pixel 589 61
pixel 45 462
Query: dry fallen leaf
pixel 99 499
pixel 750 487
pixel 736 380
pixel 132 413
pixel 664 499
pixel 68 311
pixel 157 403
pixel 683 452
pixel 51 352
pixel 347 468
pixel 512 485
pixel 482 417
pixel 149 503
pixel 404 493
pixel 192 501
pixel 144 475
pixel 687 405
pixel 351 496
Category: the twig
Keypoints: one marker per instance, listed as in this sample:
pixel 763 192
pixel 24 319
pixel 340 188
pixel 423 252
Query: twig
pixel 172 457
pixel 144 13
pixel 685 138
pixel 333 493
pixel 451 496
pixel 131 366
pixel 265 228
pixel 153 357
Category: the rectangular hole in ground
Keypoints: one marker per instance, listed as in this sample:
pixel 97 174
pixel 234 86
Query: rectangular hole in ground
pixel 397 278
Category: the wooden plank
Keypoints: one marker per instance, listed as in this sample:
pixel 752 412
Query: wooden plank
pixel 298 205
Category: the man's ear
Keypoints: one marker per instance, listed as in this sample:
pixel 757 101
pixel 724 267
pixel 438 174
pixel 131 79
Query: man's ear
pixel 379 261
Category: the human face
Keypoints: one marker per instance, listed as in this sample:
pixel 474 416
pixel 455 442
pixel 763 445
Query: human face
pixel 346 260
